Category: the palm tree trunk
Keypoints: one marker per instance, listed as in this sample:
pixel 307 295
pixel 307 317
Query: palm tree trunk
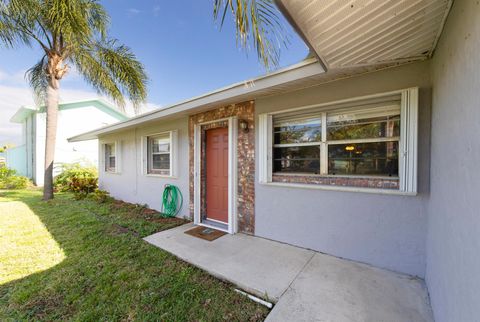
pixel 50 138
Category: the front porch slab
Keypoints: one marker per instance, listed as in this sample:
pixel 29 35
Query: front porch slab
pixel 259 266
pixel 305 285
pixel 334 289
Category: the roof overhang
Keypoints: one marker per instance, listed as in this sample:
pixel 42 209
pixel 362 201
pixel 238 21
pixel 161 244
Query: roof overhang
pixel 22 113
pixel 345 34
pixel 25 111
pixel 305 74
pixel 295 76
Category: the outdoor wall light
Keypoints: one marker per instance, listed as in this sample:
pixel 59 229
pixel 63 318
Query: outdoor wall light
pixel 244 125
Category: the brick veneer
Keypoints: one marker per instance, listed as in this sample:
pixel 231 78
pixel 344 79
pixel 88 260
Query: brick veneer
pixel 246 159
pixel 367 182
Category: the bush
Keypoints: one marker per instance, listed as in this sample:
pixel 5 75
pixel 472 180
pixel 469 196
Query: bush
pixel 77 179
pixel 101 196
pixel 10 180
pixel 6 172
pixel 63 181
pixel 81 187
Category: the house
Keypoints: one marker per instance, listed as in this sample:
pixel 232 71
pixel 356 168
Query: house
pixel 369 151
pixel 73 118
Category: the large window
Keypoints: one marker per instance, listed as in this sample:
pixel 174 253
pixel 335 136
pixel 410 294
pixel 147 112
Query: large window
pixel 110 157
pixel 159 150
pixel 365 138
pixel 356 141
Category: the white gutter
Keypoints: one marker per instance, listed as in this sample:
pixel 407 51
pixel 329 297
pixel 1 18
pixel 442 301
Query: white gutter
pixel 242 91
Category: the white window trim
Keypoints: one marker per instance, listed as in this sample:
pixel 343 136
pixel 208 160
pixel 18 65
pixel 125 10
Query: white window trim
pixel 118 153
pixel 232 173
pixel 408 143
pixel 173 154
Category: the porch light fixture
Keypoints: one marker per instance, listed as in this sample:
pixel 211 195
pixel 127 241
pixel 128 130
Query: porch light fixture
pixel 243 125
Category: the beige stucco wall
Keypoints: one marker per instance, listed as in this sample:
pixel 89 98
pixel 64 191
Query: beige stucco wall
pixel 131 184
pixel 384 230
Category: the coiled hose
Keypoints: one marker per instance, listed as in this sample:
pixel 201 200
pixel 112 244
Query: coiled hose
pixel 172 201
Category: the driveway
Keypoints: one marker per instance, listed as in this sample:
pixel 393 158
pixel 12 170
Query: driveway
pixel 304 285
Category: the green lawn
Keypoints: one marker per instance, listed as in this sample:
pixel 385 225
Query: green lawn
pixel 81 260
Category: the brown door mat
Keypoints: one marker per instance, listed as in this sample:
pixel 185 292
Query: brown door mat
pixel 205 233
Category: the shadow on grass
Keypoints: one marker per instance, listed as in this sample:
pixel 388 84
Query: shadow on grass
pixel 112 274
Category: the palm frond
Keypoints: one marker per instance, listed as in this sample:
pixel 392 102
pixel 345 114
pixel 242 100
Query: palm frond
pixel 113 70
pixel 257 23
pixel 16 22
pixel 38 80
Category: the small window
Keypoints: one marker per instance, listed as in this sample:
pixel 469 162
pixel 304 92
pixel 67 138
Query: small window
pixel 159 154
pixel 110 157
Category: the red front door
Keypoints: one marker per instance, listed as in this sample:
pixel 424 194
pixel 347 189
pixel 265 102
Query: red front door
pixel 217 174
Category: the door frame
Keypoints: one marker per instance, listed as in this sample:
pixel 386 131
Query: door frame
pixel 232 173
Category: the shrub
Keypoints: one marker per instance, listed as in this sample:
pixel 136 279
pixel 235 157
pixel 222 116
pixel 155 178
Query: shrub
pixel 63 181
pixel 10 180
pixel 6 172
pixel 101 196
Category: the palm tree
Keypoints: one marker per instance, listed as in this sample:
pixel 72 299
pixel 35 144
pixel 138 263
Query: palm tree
pixel 70 33
pixel 257 22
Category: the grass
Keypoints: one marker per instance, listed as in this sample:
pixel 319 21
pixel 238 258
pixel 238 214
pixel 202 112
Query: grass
pixel 80 260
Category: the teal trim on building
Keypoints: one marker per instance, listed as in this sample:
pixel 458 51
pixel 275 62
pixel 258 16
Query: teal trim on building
pixel 102 105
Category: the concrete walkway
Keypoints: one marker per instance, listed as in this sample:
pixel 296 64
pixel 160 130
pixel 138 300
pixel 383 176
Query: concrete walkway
pixel 305 285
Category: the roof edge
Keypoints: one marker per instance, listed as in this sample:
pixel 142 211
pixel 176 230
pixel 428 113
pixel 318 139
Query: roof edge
pixel 25 110
pixel 229 91
pixel 297 29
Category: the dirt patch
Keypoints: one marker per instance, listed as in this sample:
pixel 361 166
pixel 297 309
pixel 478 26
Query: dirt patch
pixel 118 230
pixel 136 211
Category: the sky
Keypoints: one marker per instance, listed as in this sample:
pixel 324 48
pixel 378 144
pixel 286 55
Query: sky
pixel 184 51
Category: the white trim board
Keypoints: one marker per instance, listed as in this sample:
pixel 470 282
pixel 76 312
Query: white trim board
pixel 173 154
pixel 232 173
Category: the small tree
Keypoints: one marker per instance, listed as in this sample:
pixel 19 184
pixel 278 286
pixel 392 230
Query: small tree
pixel 70 33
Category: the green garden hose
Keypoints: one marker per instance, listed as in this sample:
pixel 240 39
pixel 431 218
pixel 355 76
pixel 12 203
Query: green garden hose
pixel 172 201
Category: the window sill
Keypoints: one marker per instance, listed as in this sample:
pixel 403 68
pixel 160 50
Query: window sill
pixel 112 172
pixel 159 176
pixel 340 188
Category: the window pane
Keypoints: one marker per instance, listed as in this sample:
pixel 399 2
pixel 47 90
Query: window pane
pixel 161 161
pixel 111 162
pixel 353 126
pixel 302 159
pixel 160 144
pixel 109 157
pixel 378 158
pixel 297 131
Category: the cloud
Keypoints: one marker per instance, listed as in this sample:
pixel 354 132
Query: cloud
pixel 156 10
pixel 133 11
pixel 16 78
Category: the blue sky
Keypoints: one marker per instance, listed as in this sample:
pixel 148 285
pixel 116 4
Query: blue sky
pixel 185 54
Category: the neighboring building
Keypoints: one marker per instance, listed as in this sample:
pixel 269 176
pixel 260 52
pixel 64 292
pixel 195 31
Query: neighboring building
pixel 369 152
pixel 2 159
pixel 73 118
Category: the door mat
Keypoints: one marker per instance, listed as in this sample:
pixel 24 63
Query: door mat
pixel 205 233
